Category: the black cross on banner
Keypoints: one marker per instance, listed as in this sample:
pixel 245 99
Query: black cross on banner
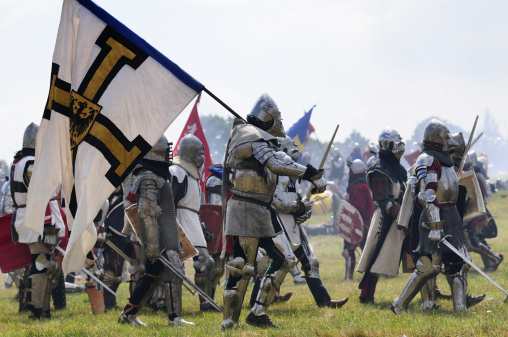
pixel 81 106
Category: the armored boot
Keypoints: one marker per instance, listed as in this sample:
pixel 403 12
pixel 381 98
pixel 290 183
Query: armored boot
pixel 458 286
pixel 297 275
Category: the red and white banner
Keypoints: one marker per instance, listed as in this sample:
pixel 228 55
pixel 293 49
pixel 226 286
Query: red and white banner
pixel 193 127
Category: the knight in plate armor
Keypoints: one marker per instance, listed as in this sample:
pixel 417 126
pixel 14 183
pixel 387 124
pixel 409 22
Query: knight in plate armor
pixel 386 179
pixel 438 193
pixel 293 211
pixel 45 271
pixel 254 164
pixel 158 232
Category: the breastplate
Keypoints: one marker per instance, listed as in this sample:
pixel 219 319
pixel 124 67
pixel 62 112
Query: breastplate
pixel 260 181
pixel 447 186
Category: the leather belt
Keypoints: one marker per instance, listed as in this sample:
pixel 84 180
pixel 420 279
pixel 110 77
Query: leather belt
pixel 252 201
pixel 189 209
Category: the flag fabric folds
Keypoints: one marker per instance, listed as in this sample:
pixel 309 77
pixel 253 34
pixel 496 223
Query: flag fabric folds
pixel 193 127
pixel 301 130
pixel 112 95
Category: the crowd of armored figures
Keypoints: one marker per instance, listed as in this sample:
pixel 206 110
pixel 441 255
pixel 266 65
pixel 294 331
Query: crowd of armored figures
pixel 158 218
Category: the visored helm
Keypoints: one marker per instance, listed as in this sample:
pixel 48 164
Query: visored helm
pixel 358 166
pixel 390 140
pixel 30 136
pixel 437 135
pixel 160 151
pixel 288 146
pixel 192 150
pixel 457 151
pixel 266 115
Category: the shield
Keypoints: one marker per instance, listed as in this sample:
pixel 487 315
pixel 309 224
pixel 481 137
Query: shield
pixel 188 249
pixel 474 200
pixel 349 223
pixel 13 255
pixel 211 215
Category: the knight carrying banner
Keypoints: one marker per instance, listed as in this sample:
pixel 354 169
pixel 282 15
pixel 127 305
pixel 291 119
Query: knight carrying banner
pixel 111 97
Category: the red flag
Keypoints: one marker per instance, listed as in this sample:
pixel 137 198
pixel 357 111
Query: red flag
pixel 193 127
pixel 309 131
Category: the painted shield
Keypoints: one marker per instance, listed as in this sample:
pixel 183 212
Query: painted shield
pixel 474 206
pixel 211 215
pixel 13 255
pixel 349 223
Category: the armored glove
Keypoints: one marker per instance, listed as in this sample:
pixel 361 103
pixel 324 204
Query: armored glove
pixel 315 176
pixel 174 259
pixel 304 206
pixel 436 231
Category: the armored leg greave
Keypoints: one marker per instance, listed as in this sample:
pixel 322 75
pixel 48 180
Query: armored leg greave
pixel 458 287
pixel 217 272
pixel 173 292
pixel 39 298
pixel 203 265
pixel 240 272
pixel 428 293
pixel 113 265
pixel 269 286
pixel 425 270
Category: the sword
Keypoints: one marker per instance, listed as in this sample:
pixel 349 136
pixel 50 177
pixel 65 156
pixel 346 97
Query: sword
pixel 118 250
pixel 184 278
pixel 469 262
pixel 324 158
pixel 87 272
pixel 466 150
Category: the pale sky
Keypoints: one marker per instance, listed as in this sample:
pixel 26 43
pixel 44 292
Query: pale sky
pixel 366 65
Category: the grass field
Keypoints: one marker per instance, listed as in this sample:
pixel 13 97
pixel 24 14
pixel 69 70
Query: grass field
pixel 300 316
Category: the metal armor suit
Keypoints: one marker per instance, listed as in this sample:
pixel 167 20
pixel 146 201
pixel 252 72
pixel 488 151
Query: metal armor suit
pixel 386 180
pixel 159 234
pixel 251 220
pixel 292 211
pixel 438 194
pixel 44 269
pixel 186 173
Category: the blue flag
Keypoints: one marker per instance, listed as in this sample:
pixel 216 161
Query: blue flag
pixel 299 131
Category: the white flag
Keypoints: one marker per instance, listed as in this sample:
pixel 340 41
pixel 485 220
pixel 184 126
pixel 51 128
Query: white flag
pixel 112 96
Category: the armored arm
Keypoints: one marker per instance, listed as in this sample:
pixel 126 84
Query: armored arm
pixel 427 170
pixel 148 211
pixel 282 164
pixel 287 200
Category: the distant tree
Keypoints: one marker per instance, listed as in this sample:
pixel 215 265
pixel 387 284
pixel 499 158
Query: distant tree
pixel 490 128
pixel 216 131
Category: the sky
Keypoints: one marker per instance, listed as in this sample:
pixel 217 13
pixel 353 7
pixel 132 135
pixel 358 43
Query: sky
pixel 366 65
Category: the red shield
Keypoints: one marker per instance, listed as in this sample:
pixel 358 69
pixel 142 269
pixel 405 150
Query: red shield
pixel 13 255
pixel 349 223
pixel 211 215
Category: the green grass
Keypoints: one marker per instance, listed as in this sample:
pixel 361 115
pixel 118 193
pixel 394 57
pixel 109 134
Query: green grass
pixel 299 316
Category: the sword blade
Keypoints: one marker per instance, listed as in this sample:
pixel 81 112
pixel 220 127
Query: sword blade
pixel 184 278
pixel 118 250
pixel 469 262
pixel 87 272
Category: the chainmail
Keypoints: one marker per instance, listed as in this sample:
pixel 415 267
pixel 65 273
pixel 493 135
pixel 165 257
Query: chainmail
pixel 452 226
